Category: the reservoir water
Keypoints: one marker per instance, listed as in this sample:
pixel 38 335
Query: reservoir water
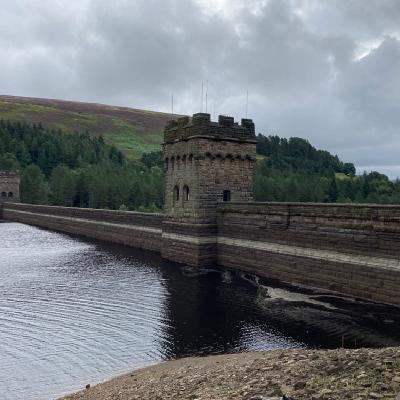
pixel 74 311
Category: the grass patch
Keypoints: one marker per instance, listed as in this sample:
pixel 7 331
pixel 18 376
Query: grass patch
pixel 341 176
pixel 15 111
pixel 133 139
pixel 260 157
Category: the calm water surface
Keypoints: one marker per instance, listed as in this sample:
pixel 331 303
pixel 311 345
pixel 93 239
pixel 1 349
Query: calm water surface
pixel 74 312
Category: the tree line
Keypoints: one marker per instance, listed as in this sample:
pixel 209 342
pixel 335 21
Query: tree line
pixel 293 170
pixel 272 184
pixel 78 170
pixel 296 154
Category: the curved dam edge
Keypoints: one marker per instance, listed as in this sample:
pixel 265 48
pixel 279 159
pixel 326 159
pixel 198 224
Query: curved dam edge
pixel 296 374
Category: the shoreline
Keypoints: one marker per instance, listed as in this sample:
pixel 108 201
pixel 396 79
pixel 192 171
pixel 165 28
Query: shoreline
pixel 269 375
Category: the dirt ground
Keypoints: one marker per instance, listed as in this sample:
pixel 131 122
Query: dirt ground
pixel 281 374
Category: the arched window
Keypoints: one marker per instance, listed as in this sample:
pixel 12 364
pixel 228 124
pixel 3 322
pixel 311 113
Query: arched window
pixel 3 194
pixel 186 195
pixel 10 194
pixel 166 164
pixel 176 194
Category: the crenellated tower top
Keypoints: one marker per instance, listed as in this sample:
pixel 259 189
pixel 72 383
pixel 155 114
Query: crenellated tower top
pixel 10 174
pixel 200 125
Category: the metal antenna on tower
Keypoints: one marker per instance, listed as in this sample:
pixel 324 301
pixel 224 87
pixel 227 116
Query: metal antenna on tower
pixel 247 103
pixel 202 95
pixel 206 93
pixel 215 117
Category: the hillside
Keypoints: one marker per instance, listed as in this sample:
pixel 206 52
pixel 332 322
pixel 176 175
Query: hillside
pixel 130 130
pixel 288 169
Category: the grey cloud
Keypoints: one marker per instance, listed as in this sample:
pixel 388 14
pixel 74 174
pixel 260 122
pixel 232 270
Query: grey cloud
pixel 296 58
pixel 370 87
pixel 373 16
pixel 150 49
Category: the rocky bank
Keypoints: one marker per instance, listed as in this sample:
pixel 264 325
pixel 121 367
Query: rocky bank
pixel 273 375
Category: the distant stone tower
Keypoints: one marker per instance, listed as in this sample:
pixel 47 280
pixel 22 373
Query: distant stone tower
pixel 206 163
pixel 9 186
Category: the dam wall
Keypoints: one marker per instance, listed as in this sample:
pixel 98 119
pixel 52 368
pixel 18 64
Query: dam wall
pixel 141 230
pixel 210 219
pixel 351 249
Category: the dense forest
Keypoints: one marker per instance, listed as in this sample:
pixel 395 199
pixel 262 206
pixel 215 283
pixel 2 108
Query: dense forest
pixel 77 170
pixel 296 154
pixel 293 170
pixel 82 171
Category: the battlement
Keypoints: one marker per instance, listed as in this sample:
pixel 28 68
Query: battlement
pixel 200 125
pixel 9 174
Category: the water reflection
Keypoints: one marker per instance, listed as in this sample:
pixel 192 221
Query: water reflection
pixel 207 316
pixel 74 311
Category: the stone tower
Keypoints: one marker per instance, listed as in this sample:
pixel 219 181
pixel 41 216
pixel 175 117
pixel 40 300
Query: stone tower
pixel 9 186
pixel 206 163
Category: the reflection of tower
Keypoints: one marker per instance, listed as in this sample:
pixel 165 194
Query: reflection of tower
pixel 204 314
pixel 206 162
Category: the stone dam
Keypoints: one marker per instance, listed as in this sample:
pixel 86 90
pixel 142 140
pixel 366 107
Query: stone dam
pixel 210 219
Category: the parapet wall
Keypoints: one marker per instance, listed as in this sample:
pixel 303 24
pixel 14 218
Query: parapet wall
pixel 141 230
pixel 201 125
pixel 352 249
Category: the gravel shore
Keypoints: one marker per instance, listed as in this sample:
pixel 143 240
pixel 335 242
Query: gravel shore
pixel 273 375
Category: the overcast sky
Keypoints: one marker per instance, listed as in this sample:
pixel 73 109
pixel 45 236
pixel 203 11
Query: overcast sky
pixel 325 70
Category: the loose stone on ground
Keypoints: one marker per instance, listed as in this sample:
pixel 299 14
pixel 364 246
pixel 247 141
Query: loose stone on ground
pixel 282 374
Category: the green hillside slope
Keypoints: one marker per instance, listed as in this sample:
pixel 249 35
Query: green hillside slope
pixel 132 131
pixel 75 169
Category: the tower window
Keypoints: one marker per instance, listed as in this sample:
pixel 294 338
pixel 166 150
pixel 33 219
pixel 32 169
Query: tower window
pixel 10 194
pixel 186 194
pixel 3 194
pixel 176 194
pixel 226 195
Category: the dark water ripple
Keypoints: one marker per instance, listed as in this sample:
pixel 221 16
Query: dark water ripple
pixel 74 312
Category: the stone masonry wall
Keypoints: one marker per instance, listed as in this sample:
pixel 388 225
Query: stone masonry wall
pixel 9 186
pixel 351 249
pixel 206 168
pixel 141 230
pixel 203 160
